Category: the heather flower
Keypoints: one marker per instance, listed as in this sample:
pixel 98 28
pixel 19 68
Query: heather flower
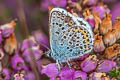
pixel 89 63
pixel 98 76
pixel 44 4
pixel 7 29
pixel 98 44
pixel 1 38
pixel 66 73
pixel 91 21
pixel 110 38
pixel 17 63
pixel 58 3
pixel 101 9
pixel 115 10
pixel 41 39
pixel 28 43
pixel 35 50
pixel 106 66
pixel 19 76
pixel 89 17
pixel 5 74
pixel 90 2
pixel 29 76
pixel 50 70
pixel 106 24
pixel 78 75
pixel 83 57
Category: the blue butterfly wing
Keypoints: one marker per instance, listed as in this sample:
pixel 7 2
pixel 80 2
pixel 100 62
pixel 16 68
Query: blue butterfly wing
pixel 68 35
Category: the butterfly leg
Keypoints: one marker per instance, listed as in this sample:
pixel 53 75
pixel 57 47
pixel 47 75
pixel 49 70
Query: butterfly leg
pixel 58 64
pixel 69 65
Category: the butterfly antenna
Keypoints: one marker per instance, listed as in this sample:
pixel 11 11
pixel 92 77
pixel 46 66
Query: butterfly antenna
pixel 44 46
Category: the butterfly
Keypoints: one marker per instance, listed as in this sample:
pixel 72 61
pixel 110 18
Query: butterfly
pixel 70 36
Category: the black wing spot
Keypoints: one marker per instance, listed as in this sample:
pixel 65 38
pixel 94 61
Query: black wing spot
pixel 63 28
pixel 75 35
pixel 70 50
pixel 78 41
pixel 61 44
pixel 78 37
pixel 70 35
pixel 70 42
pixel 67 47
pixel 82 23
pixel 77 44
pixel 53 23
pixel 56 23
pixel 60 25
pixel 81 47
pixel 64 37
pixel 57 32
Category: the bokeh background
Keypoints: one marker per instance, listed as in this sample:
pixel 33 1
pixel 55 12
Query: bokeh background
pixel 35 14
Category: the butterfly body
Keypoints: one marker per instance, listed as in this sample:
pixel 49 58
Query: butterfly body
pixel 70 36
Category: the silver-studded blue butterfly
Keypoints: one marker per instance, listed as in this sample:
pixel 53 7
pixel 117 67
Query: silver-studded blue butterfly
pixel 70 36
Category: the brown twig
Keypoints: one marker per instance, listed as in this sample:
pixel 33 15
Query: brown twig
pixel 22 19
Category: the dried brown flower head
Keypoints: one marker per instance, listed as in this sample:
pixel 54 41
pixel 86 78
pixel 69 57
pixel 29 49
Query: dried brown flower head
pixel 109 37
pixel 98 43
pixel 112 51
pixel 10 44
pixel 106 24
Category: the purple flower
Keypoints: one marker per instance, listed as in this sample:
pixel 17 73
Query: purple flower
pixel 101 9
pixel 29 76
pixel 7 29
pixel 90 2
pixel 78 75
pixel 58 3
pixel 35 50
pixel 91 21
pixel 28 43
pixel 106 66
pixel 50 70
pixel 44 4
pixel 98 76
pixel 66 74
pixel 5 74
pixel 1 37
pixel 83 57
pixel 115 11
pixel 89 64
pixel 41 38
pixel 17 63
pixel 19 76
